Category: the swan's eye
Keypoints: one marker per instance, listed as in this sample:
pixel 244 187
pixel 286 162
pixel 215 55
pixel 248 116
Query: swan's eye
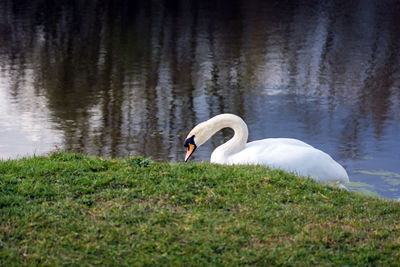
pixel 189 141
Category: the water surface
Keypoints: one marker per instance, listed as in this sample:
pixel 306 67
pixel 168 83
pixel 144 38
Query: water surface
pixel 116 78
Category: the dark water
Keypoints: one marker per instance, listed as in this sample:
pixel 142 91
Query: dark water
pixel 115 78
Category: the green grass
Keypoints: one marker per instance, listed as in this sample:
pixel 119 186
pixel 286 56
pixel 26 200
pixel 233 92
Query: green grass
pixel 69 209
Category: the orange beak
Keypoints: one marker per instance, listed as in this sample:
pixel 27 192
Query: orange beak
pixel 190 151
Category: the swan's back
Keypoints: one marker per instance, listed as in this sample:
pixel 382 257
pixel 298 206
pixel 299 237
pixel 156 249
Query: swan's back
pixel 290 155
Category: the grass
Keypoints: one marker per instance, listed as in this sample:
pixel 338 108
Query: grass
pixel 69 209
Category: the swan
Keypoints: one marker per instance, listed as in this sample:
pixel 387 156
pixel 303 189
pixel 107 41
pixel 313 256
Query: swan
pixel 287 154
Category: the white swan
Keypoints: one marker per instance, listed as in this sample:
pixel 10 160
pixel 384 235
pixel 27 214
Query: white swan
pixel 278 153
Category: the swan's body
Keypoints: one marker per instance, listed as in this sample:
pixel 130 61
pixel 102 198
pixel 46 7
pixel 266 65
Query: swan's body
pixel 278 153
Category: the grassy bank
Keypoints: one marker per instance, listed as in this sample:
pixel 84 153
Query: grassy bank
pixel 71 209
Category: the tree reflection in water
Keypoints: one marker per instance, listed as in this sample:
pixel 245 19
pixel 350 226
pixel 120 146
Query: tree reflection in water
pixel 132 77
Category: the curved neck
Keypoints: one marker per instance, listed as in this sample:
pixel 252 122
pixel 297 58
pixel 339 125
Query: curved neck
pixel 241 133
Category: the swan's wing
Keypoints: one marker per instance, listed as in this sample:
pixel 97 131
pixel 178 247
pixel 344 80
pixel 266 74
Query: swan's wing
pixel 278 141
pixel 293 156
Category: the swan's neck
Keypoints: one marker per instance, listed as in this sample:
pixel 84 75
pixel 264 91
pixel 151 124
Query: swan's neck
pixel 222 153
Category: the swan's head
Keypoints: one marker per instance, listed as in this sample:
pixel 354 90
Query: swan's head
pixel 191 146
pixel 197 136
